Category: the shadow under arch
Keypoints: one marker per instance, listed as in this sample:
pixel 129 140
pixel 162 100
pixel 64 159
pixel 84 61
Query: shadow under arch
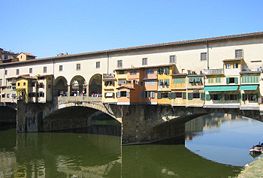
pixel 60 86
pixel 7 117
pixel 81 119
pixel 95 85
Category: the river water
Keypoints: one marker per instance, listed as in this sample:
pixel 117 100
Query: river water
pixel 215 146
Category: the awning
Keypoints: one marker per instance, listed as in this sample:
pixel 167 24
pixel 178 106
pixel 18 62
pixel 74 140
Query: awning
pixel 221 88
pixel 248 87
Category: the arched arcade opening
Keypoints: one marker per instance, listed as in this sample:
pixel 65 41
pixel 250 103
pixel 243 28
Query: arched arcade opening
pixel 60 86
pixel 95 85
pixel 77 86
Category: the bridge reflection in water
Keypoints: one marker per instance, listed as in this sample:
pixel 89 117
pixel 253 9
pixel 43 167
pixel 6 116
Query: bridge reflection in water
pixel 46 155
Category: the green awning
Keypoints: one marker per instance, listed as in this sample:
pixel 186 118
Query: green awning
pixel 221 88
pixel 248 87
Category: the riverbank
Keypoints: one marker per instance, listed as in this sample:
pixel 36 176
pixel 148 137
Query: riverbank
pixel 255 169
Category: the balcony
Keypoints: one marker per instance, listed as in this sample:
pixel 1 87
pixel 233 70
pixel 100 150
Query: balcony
pixel 108 77
pixel 213 71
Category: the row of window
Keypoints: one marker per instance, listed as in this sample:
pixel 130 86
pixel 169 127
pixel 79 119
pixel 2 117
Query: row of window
pixel 33 94
pixel 239 53
pixel 30 70
pixel 13 96
pixel 232 97
pixel 160 95
pixel 172 60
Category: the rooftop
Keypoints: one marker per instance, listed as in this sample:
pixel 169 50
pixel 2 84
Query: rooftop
pixel 145 47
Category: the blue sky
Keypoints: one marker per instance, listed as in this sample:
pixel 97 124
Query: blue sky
pixel 48 27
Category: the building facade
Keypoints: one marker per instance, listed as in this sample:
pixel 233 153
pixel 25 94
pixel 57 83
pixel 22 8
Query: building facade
pixel 198 66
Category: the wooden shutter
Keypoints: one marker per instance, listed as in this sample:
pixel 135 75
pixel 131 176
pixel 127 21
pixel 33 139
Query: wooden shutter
pixel 184 95
pixel 236 80
pixel 159 96
pixel 227 80
pixel 190 96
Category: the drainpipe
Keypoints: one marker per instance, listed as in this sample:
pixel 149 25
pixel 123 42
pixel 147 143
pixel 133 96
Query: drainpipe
pixel 207 52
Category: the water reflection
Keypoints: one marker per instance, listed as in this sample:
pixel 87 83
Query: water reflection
pixel 223 138
pixel 69 155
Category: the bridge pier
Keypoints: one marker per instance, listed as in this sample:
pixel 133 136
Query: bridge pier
pixel 29 116
pixel 150 124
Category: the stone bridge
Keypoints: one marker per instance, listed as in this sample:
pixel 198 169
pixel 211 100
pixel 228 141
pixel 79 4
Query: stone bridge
pixel 85 101
pixel 139 123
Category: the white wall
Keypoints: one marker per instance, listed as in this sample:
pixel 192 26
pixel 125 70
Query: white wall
pixel 187 57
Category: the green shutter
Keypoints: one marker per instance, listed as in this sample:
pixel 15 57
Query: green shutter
pixel 173 95
pixel 159 96
pixel 190 96
pixel 170 95
pixel 184 95
pixel 227 80
pixel 236 80
pixel 207 97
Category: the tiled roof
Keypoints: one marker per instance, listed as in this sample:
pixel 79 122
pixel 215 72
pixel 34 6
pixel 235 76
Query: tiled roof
pixel 145 47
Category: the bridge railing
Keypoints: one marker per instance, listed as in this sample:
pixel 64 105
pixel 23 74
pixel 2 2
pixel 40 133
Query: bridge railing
pixel 68 99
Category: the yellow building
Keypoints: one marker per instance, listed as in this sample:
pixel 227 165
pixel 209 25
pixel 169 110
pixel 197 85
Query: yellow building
pixel 25 87
pixel 25 56
pixel 34 89
pixel 178 93
pixel 164 76
pixel 195 90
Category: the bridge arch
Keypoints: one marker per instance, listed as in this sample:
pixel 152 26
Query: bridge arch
pixel 77 86
pixel 95 85
pixel 60 86
pixel 82 118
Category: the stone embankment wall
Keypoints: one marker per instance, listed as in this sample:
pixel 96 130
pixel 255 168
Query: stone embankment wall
pixel 255 169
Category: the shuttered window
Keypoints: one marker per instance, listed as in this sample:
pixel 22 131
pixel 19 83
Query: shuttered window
pixel 179 80
pixel 249 79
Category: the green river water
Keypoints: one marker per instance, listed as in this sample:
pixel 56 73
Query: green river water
pixel 214 147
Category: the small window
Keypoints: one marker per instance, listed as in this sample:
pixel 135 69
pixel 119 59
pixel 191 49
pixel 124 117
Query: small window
pixel 178 94
pixel 41 85
pixel 196 95
pixel 239 53
pixel 17 71
pixel 5 72
pixel 60 68
pixel 30 70
pixel 235 66
pixel 172 59
pixel 203 56
pixel 78 67
pixel 149 71
pixel 228 66
pixel 45 69
pixel 18 84
pixel 119 63
pixel 133 72
pixel 24 84
pixel 123 94
pixel 97 65
pixel 144 61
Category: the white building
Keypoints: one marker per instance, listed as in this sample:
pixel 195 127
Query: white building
pixel 87 68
